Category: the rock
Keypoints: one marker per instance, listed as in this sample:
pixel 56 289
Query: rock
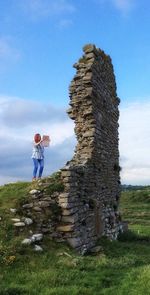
pixel 70 219
pixel 89 48
pixel 0 218
pixel 38 248
pixel 66 205
pixel 34 192
pixel 124 226
pixel 13 210
pixel 36 237
pixel 19 224
pixel 26 242
pixel 43 204
pixel 84 250
pixel 15 219
pixel 36 208
pixel 27 206
pixel 88 134
pixel 71 211
pixel 65 228
pixel 28 221
pixel 96 249
pixel 45 230
pixel 74 242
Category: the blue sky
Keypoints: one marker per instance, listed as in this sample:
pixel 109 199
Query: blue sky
pixel 43 44
pixel 40 40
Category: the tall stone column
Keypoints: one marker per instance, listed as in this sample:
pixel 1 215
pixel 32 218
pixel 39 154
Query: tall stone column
pixel 91 179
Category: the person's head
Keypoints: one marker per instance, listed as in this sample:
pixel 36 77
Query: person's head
pixel 37 137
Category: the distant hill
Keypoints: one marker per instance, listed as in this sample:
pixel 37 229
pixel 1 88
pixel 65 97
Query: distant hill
pixel 129 187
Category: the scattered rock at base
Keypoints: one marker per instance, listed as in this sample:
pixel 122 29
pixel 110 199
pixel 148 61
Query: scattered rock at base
pixel 36 237
pixel 19 224
pixel 96 249
pixel 27 206
pixel 28 221
pixel 26 242
pixel 15 219
pixel 38 248
pixel 13 210
pixel 34 191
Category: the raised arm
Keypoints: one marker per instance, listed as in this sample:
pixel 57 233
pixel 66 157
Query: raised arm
pixel 36 144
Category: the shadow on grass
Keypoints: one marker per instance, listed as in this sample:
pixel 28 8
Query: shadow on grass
pixel 13 291
pixel 131 236
pixel 131 248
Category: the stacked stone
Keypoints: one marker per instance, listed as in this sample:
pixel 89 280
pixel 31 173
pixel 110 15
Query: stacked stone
pixel 42 207
pixel 91 179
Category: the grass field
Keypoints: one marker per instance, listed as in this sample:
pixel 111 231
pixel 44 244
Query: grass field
pixel 122 267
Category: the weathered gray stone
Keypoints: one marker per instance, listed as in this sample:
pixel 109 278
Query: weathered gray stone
pixel 74 242
pixel 69 219
pixel 19 224
pixel 38 248
pixel 37 208
pixel 37 237
pixel 43 204
pixel 28 221
pixel 15 219
pixel 26 242
pixel 13 210
pixel 34 192
pixel 65 228
pixel 96 249
pixel 27 206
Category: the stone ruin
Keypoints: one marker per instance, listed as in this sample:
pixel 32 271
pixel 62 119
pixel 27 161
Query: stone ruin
pixel 87 206
pixel 91 179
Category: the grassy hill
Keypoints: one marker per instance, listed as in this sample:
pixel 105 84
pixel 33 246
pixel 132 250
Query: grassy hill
pixel 122 267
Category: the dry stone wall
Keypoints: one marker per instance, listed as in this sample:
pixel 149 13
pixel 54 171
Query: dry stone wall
pixel 91 179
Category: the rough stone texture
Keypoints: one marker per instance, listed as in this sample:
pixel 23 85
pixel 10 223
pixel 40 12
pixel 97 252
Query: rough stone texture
pixel 40 210
pixel 86 206
pixel 91 179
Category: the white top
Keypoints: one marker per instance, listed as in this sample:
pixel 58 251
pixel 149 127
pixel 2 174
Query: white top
pixel 38 151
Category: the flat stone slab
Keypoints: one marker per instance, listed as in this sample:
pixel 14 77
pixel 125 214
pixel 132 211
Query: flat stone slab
pixel 15 219
pixel 19 224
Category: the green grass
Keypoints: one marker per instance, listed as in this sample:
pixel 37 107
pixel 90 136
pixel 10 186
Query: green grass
pixel 122 267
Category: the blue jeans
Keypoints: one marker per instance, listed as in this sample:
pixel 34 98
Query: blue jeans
pixel 38 162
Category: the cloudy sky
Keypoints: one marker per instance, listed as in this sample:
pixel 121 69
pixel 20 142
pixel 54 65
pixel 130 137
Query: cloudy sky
pixel 39 42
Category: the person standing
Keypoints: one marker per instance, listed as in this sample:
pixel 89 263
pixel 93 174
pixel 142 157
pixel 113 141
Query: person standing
pixel 38 156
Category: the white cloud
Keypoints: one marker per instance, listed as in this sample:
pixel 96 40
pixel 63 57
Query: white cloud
pixel 26 117
pixel 19 120
pixel 135 143
pixel 39 9
pixel 19 113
